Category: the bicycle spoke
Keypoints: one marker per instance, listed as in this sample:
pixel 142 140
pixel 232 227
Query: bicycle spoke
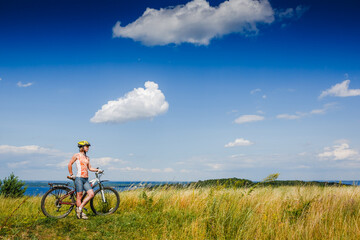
pixel 110 204
pixel 58 203
pixel 55 193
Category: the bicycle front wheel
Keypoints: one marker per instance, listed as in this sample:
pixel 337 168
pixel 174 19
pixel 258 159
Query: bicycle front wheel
pixel 58 202
pixel 105 201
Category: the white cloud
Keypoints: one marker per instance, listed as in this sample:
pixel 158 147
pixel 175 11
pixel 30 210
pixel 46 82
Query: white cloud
pixel 339 152
pixel 181 162
pixel 291 13
pixel 340 90
pixel 248 118
pixel 20 84
pixel 229 164
pixel 236 156
pixel 318 111
pixel 298 115
pixel 0 78
pixel 215 166
pixel 255 90
pixel 323 110
pixel 17 164
pixel 239 142
pixel 33 157
pixel 62 164
pixel 136 169
pixel 302 154
pixel 139 169
pixel 59 159
pixel 168 170
pixel 196 22
pixel 300 10
pixel 300 167
pixel 232 111
pixel 287 116
pixel 104 161
pixel 29 149
pixel 138 104
pixel 33 162
pixel 287 13
pixel 258 90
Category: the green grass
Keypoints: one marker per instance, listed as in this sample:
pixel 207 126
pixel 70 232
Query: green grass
pixel 308 212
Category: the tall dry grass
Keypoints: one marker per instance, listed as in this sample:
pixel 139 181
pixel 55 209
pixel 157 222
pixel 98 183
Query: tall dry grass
pixel 210 213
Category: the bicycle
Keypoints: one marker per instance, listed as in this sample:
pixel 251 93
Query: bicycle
pixel 60 200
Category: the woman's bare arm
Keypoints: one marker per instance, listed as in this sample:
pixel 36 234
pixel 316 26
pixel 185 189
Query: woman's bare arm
pixel 72 160
pixel 92 169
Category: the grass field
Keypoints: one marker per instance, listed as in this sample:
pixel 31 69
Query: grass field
pixel 306 212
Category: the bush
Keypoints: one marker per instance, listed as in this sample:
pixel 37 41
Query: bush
pixel 12 187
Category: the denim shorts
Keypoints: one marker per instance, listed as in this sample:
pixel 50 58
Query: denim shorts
pixel 82 184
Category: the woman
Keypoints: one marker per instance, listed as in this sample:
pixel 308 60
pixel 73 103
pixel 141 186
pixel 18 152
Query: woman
pixel 81 179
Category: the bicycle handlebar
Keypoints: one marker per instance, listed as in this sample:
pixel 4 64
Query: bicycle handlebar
pixel 70 178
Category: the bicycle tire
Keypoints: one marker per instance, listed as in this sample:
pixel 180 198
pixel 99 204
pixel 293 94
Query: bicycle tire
pixel 50 206
pixel 112 204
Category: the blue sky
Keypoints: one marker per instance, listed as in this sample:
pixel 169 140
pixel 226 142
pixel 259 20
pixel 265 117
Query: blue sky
pixel 198 90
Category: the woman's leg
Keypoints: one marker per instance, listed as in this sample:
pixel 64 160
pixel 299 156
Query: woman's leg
pixel 90 195
pixel 78 198
pixel 79 186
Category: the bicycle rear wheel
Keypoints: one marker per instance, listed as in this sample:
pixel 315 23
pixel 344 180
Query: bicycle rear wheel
pixel 58 202
pixel 111 203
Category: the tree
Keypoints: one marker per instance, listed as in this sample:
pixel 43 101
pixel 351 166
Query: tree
pixel 12 187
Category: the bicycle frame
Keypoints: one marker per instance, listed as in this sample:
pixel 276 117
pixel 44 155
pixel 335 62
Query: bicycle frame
pixel 93 183
pixel 96 181
pixel 106 199
pixel 65 196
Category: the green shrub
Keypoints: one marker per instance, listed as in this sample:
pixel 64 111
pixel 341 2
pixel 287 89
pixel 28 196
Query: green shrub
pixel 12 187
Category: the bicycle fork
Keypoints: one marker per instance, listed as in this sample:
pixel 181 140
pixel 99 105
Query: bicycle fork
pixel 102 194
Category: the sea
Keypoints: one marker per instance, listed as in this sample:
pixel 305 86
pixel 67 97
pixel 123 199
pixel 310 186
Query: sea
pixel 39 188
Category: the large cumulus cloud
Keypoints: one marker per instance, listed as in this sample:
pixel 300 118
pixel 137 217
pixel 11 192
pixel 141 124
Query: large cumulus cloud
pixel 196 22
pixel 138 104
